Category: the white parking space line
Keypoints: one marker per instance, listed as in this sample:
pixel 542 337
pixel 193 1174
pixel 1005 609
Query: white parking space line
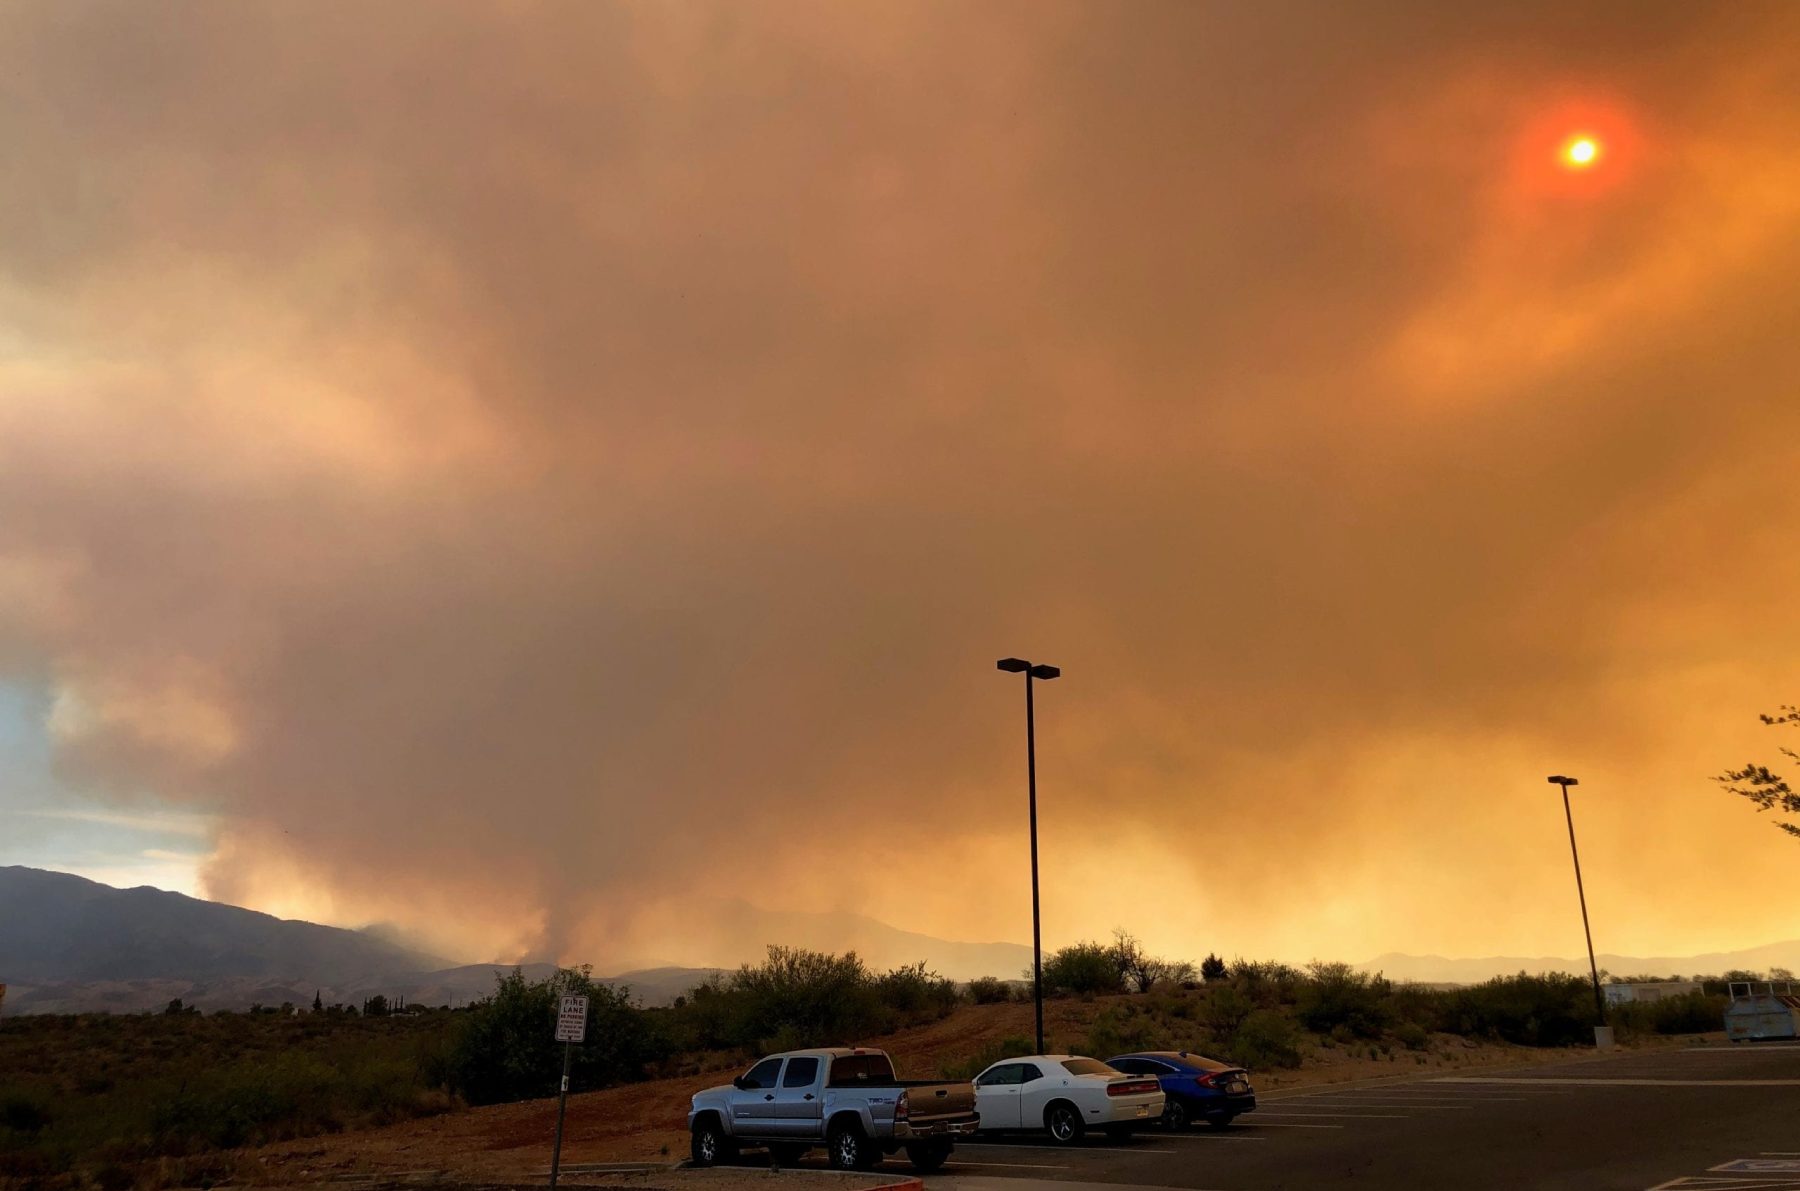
pixel 1353 1116
pixel 980 1182
pixel 1007 1165
pixel 1410 1101
pixel 1075 1149
pixel 1639 1083
pixel 1713 1182
pixel 1345 1103
pixel 1288 1125
pixel 1213 1138
pixel 1737 1048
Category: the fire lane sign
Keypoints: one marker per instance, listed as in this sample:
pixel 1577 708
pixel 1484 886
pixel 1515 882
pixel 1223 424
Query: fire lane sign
pixel 571 1020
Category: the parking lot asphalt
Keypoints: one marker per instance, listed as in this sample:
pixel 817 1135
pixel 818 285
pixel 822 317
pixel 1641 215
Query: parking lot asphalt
pixel 1716 1118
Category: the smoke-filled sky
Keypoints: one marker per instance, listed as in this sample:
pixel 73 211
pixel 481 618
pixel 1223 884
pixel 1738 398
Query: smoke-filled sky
pixel 530 473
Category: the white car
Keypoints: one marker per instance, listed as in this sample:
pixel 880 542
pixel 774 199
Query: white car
pixel 1065 1096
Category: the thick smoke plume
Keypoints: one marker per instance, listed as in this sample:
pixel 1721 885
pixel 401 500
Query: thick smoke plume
pixel 538 472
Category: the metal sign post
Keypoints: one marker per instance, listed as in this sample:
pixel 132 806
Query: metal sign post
pixel 571 1027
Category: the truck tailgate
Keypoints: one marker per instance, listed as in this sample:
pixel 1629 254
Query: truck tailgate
pixel 928 1101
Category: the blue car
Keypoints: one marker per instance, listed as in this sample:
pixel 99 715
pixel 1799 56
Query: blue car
pixel 1195 1088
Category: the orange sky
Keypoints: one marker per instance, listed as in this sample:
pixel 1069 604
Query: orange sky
pixel 525 473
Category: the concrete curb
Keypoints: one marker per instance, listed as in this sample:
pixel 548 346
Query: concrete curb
pixel 914 1183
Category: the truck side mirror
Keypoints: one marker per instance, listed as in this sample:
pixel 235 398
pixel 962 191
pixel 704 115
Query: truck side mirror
pixel 740 1083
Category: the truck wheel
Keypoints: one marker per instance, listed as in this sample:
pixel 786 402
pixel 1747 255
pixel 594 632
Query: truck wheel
pixel 710 1145
pixel 1064 1122
pixel 927 1156
pixel 848 1150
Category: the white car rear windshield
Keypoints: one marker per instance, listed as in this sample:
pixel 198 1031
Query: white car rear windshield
pixel 1088 1067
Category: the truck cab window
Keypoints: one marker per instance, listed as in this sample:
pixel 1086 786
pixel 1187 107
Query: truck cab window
pixel 763 1074
pixel 859 1069
pixel 800 1073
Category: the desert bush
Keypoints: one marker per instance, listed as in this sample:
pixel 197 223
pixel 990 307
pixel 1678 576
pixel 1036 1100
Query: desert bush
pixel 1083 969
pixel 506 1048
pixel 1267 1038
pixel 23 1113
pixel 1553 1009
pixel 1226 1008
pixel 989 990
pixel 1694 1013
pixel 915 993
pixel 1267 983
pixel 1412 1036
pixel 804 998
pixel 1140 971
pixel 1337 997
pixel 1118 1029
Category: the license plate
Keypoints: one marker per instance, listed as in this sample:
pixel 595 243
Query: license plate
pixel 1143 1111
pixel 1237 1087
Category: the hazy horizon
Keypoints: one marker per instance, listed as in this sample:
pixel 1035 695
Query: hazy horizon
pixel 529 475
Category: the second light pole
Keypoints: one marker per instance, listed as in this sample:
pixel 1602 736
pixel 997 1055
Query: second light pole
pixel 1601 1040
pixel 1021 666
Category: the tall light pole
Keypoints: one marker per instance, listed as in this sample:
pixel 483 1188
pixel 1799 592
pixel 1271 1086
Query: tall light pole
pixel 1593 968
pixel 1021 666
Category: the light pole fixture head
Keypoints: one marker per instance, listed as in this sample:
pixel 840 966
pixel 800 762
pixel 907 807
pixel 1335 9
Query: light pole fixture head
pixel 1045 672
pixel 1564 782
pixel 1012 665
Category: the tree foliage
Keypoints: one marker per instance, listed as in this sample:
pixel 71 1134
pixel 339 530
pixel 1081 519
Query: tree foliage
pixel 507 1049
pixel 1763 786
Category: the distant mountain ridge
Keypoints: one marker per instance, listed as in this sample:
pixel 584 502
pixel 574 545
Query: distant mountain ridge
pixel 54 926
pixel 1438 969
pixel 68 944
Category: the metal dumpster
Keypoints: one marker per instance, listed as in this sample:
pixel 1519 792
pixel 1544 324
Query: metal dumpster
pixel 1762 1009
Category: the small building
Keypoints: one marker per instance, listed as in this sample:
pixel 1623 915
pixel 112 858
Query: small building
pixel 1621 994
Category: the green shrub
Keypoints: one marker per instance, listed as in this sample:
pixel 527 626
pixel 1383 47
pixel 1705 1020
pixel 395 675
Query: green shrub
pixel 1337 997
pixel 1412 1036
pixel 23 1114
pixel 506 1048
pixel 1693 1013
pixel 1267 983
pixel 1553 1009
pixel 1121 1029
pixel 800 998
pixel 1225 1009
pixel 1266 1039
pixel 1083 969
pixel 989 990
pixel 914 993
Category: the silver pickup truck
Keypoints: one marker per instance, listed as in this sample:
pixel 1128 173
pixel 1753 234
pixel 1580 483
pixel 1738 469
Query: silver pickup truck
pixel 845 1100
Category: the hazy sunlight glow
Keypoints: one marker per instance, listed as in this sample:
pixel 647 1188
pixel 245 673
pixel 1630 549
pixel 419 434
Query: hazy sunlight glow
pixel 1581 152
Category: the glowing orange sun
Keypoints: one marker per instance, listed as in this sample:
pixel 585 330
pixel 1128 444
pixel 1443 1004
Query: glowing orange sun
pixel 1581 152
